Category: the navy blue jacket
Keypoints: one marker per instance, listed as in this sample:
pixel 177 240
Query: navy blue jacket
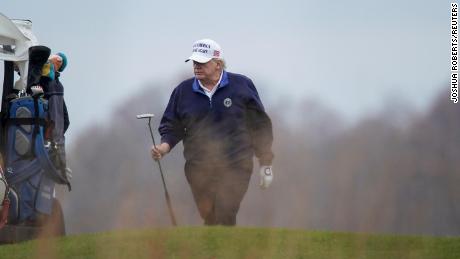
pixel 227 129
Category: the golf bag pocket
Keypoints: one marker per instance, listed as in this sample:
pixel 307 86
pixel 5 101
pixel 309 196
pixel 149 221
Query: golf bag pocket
pixel 32 195
pixel 45 194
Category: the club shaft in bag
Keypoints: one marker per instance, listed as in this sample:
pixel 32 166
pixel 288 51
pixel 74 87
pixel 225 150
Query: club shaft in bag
pixel 168 200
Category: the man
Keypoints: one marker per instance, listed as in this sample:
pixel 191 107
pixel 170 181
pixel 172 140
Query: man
pixel 220 119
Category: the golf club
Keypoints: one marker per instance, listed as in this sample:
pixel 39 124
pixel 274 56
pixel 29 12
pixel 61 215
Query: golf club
pixel 168 200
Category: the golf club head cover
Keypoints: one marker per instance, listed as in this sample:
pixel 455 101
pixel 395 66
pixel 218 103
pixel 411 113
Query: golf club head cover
pixel 38 57
pixel 48 70
pixel 64 61
pixel 266 176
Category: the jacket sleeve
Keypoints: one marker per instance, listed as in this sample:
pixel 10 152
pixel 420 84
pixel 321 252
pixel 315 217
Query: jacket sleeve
pixel 260 127
pixel 171 129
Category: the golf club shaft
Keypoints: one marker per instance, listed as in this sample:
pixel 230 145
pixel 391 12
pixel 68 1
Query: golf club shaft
pixel 168 200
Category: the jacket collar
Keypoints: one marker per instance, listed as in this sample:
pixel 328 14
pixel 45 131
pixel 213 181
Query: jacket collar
pixel 223 82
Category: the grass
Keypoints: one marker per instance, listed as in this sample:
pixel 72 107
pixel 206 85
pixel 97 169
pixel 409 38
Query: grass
pixel 223 242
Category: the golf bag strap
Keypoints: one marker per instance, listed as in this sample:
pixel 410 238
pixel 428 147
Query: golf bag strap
pixel 4 212
pixel 26 121
pixel 36 124
pixel 47 164
pixel 21 174
pixel 40 162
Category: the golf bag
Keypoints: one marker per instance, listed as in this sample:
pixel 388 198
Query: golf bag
pixel 30 171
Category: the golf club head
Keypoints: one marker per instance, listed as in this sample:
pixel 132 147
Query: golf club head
pixel 145 116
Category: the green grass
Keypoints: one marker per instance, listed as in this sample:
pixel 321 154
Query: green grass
pixel 223 242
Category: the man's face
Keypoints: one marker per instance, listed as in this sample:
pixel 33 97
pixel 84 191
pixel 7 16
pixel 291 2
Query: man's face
pixel 206 71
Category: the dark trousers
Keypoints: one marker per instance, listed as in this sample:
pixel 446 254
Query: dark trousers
pixel 218 190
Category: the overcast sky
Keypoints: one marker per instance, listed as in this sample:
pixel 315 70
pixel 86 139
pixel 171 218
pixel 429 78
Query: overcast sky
pixel 350 55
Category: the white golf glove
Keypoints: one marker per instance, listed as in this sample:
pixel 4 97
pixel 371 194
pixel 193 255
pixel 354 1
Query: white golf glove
pixel 266 176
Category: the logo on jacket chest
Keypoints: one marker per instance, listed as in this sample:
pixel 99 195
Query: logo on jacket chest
pixel 227 102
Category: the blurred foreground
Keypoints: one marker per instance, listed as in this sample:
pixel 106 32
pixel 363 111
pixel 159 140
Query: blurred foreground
pixel 223 242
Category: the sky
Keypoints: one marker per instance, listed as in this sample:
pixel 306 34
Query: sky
pixel 353 56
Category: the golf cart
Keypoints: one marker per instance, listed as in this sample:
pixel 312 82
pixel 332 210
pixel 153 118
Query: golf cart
pixel 28 175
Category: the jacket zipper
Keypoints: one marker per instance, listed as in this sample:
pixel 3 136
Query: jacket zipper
pixel 210 98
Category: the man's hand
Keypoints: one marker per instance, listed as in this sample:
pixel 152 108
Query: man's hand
pixel 159 151
pixel 266 176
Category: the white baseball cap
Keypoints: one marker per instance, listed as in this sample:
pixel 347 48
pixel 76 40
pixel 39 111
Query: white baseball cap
pixel 204 50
